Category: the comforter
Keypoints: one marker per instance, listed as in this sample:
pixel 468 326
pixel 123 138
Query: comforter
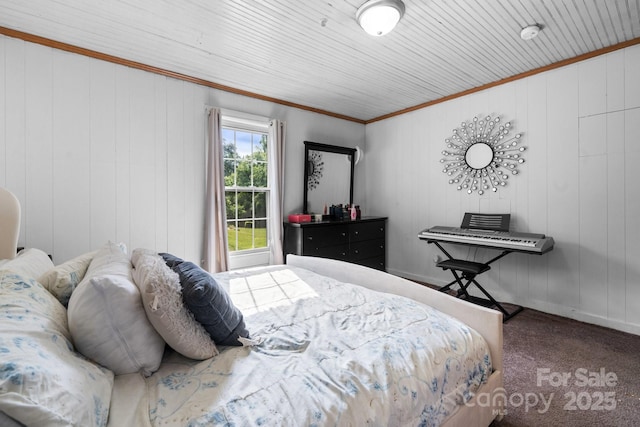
pixel 323 353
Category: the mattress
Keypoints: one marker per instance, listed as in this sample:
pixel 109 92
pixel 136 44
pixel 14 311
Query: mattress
pixel 325 353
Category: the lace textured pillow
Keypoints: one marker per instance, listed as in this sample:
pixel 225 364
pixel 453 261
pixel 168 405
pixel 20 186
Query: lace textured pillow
pixel 162 300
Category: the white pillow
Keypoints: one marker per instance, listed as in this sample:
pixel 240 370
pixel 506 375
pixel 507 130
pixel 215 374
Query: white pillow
pixel 42 380
pixel 162 301
pixel 109 325
pixel 64 278
pixel 29 263
pixel 106 317
pixel 110 259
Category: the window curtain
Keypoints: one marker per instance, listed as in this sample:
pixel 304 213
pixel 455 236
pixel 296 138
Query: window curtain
pixel 276 146
pixel 216 252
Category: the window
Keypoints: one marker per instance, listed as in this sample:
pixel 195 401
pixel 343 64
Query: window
pixel 246 186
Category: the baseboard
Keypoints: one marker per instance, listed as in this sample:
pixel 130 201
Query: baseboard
pixel 573 313
pixel 544 306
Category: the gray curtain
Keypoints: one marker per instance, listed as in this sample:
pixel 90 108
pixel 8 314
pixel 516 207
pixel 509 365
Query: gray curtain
pixel 276 147
pixel 216 252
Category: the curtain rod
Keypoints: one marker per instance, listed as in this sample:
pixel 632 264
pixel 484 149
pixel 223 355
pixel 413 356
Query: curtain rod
pixel 239 114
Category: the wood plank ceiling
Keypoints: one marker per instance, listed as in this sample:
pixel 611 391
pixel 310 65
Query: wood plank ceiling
pixel 313 53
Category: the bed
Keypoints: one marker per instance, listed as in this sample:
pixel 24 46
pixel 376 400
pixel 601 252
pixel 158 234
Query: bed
pixel 331 344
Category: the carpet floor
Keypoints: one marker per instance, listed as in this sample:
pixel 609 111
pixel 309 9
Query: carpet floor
pixel 562 372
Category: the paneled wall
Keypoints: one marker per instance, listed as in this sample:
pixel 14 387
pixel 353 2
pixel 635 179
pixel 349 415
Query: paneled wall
pixel 97 151
pixel 581 124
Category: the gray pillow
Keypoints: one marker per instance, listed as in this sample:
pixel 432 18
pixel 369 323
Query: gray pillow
pixel 209 302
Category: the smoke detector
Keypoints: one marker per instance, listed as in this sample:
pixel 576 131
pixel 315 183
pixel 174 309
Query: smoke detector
pixel 530 32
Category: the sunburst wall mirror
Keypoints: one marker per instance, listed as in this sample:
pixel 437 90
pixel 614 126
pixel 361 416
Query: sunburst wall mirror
pixel 315 166
pixel 481 154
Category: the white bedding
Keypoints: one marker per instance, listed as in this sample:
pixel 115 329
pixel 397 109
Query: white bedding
pixel 331 354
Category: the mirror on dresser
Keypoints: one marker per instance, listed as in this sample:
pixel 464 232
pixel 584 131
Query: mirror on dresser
pixel 328 176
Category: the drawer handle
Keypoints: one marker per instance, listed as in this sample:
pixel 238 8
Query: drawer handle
pixel 357 232
pixel 310 238
pixel 344 254
pixel 357 251
pixel 344 234
pixel 381 228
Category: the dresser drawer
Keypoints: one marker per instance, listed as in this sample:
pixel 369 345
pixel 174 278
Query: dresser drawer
pixel 361 241
pixel 367 231
pixel 326 236
pixel 340 252
pixel 367 249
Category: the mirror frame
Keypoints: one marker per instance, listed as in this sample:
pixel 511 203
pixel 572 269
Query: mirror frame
pixel 316 146
pixel 468 175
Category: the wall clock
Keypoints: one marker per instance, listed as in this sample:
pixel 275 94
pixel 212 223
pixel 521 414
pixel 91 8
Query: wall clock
pixel 481 155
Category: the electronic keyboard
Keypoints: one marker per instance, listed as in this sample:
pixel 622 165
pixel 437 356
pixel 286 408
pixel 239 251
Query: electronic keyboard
pixel 506 240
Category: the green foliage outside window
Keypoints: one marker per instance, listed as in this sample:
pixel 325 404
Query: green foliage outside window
pixel 246 189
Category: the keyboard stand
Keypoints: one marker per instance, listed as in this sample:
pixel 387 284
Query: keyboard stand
pixel 469 270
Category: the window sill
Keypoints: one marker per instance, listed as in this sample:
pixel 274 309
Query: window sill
pixel 247 259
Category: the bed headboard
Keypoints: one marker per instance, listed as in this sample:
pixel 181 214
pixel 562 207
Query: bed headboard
pixel 9 224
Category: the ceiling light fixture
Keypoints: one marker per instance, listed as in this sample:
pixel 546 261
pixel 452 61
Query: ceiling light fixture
pixel 530 32
pixel 378 17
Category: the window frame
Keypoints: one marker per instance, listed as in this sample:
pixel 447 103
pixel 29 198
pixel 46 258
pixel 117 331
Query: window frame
pixel 255 256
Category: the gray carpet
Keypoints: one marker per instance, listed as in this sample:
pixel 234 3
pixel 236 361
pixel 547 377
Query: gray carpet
pixel 561 372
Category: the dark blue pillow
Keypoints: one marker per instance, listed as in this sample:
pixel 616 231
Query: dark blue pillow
pixel 209 302
pixel 171 260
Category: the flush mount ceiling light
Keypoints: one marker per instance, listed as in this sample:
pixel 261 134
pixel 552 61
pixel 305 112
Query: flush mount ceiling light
pixel 378 17
pixel 530 32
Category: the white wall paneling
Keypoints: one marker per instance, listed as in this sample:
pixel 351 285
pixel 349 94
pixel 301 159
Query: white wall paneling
pixel 103 110
pixel 14 122
pixel 97 151
pixel 38 144
pixel 71 151
pixel 142 162
pixel 579 185
pixel 616 227
pixel 632 208
pixel 535 218
pixel 194 165
pixel 631 81
pixel 161 158
pixel 563 185
pixel 175 179
pixel 122 170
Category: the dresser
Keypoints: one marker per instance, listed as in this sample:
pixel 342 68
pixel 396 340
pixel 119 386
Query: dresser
pixel 361 241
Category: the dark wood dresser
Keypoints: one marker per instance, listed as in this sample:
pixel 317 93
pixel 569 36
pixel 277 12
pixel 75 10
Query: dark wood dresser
pixel 361 241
